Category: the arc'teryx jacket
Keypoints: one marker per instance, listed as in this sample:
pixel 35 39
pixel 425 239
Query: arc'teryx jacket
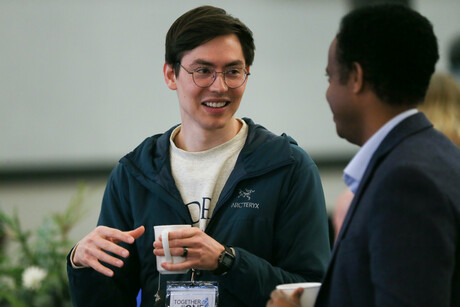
pixel 271 210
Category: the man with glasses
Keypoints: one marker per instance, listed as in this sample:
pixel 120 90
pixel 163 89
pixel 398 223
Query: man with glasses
pixel 255 199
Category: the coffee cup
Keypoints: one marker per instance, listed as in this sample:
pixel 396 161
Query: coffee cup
pixel 163 231
pixel 310 291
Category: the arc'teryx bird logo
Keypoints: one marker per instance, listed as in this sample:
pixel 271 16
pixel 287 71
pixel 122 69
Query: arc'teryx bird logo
pixel 246 193
pixel 244 197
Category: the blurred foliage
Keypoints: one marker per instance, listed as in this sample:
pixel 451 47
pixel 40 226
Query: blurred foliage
pixel 33 272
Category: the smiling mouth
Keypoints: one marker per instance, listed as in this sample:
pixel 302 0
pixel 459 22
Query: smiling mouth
pixel 215 104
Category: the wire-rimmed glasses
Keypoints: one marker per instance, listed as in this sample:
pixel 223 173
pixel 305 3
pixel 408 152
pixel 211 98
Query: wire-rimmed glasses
pixel 205 76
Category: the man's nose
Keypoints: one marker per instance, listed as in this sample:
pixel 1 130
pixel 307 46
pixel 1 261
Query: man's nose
pixel 219 83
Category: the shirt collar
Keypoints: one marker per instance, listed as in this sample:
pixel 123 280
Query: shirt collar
pixel 354 171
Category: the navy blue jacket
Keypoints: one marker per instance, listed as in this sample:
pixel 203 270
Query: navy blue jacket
pixel 271 210
pixel 400 241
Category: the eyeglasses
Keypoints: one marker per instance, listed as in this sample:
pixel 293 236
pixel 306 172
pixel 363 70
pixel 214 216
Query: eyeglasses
pixel 205 76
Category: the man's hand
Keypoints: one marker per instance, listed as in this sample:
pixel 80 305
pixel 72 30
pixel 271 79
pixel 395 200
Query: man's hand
pixel 279 299
pixel 94 247
pixel 203 251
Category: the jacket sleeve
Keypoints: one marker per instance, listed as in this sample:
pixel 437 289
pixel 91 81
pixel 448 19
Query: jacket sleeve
pixel 412 237
pixel 90 288
pixel 301 247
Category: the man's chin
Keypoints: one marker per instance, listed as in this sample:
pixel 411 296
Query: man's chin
pixel 349 138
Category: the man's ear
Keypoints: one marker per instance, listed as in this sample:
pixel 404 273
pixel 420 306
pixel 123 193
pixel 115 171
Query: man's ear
pixel 170 76
pixel 357 77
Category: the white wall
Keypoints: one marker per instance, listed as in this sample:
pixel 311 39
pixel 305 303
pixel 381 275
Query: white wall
pixel 81 83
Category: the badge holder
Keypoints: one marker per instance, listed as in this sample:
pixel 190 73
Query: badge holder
pixel 192 293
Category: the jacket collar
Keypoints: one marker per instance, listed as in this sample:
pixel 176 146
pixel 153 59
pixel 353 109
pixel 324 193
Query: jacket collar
pixel 150 162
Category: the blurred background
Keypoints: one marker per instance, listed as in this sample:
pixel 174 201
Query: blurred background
pixel 81 85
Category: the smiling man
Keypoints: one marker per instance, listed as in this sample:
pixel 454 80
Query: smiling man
pixel 255 199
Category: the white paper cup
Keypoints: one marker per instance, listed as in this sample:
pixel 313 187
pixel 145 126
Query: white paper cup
pixel 163 231
pixel 310 291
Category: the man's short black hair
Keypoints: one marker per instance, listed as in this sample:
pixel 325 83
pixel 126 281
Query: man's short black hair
pixel 202 24
pixel 396 48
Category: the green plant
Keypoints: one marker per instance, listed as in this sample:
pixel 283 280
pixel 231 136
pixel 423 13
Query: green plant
pixel 34 272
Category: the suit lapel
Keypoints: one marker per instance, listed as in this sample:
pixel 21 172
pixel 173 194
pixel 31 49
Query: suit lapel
pixel 411 125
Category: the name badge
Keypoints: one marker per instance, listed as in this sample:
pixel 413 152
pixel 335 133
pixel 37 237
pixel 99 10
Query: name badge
pixel 192 293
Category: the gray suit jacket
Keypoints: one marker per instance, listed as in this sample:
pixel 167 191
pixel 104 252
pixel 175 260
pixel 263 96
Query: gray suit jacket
pixel 400 241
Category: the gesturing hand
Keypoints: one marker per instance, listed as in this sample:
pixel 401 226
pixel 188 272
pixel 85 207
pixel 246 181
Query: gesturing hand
pixel 202 250
pixel 94 247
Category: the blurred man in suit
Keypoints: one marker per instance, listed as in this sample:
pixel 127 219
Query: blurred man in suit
pixel 400 242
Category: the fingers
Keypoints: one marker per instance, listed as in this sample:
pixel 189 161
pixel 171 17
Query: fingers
pixel 277 294
pixel 203 251
pixel 177 238
pixel 117 236
pixel 97 245
pixel 279 299
pixel 177 251
pixel 190 237
pixel 184 233
pixel 188 264
pixel 180 237
pixel 94 263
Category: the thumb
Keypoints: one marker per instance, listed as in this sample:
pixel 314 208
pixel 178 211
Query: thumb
pixel 295 296
pixel 136 233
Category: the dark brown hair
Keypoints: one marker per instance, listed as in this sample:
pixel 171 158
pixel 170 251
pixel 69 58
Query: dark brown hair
pixel 201 25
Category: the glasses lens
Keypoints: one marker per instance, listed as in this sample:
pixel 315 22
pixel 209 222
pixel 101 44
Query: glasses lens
pixel 203 77
pixel 235 77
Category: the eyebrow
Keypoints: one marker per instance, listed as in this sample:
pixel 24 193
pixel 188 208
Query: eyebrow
pixel 206 63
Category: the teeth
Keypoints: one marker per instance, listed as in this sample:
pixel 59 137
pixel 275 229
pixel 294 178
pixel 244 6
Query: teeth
pixel 215 104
